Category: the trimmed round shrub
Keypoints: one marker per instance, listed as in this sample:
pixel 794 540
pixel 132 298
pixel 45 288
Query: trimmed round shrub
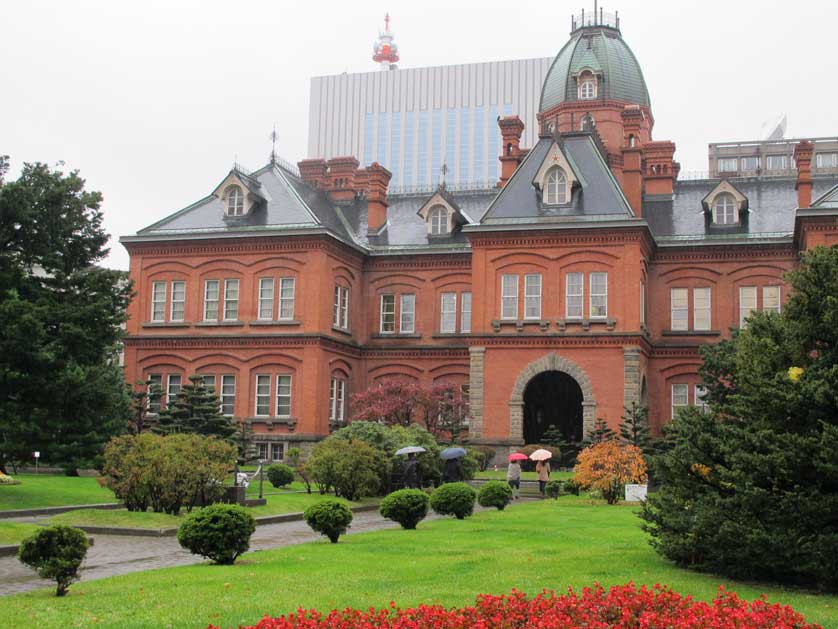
pixel 554 488
pixel 495 493
pixel 280 475
pixel 408 507
pixel 55 552
pixel 455 499
pixel 329 517
pixel 220 532
pixel 571 487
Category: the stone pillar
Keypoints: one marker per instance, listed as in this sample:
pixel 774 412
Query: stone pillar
pixel 588 417
pixel 516 420
pixel 477 359
pixel 631 375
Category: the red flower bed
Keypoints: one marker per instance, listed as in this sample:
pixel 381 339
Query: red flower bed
pixel 621 607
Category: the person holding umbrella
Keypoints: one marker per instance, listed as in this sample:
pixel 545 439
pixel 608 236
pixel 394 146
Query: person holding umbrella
pixel 513 473
pixel 542 467
pixel 410 469
pixel 454 472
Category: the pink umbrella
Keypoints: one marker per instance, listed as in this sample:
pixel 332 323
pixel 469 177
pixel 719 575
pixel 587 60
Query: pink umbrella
pixel 517 456
pixel 541 455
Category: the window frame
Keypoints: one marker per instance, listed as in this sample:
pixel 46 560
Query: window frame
pixel 234 206
pixel 153 407
pixel 284 301
pixel 265 397
pixel 679 309
pixel 592 295
pixel 722 162
pixel 742 314
pixel 382 313
pixel 555 186
pixel 674 406
pixel 216 301
pixel 404 300
pixel 180 301
pixel 263 300
pixel 642 303
pixel 228 284
pixel 779 289
pixel 532 299
pixel 158 306
pixel 170 385
pixel 280 395
pixel 465 312
pixel 708 309
pixel 223 396
pixel 587 87
pixel 725 196
pixel 438 219
pixel 448 314
pixel 580 295
pixel 511 298
pixel 337 399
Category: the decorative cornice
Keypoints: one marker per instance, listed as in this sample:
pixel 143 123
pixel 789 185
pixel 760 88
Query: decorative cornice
pixel 629 233
pixel 410 262
pixel 604 339
pixel 725 251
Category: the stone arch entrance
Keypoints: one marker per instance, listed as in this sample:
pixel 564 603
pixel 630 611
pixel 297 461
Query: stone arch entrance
pixel 550 363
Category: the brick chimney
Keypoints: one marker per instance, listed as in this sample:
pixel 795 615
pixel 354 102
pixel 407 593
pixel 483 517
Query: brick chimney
pixel 632 158
pixel 342 179
pixel 314 171
pixel 661 169
pixel 511 129
pixel 803 185
pixel 377 178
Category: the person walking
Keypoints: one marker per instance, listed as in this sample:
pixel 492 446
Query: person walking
pixel 410 474
pixel 454 472
pixel 542 472
pixel 513 477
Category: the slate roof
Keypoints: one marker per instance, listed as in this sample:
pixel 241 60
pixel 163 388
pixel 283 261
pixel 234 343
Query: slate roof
pixel 598 197
pixel 291 206
pixel 601 49
pixel 772 203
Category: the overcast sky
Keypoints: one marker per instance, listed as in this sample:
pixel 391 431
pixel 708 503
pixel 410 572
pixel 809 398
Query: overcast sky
pixel 153 101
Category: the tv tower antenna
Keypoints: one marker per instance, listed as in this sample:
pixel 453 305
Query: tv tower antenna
pixel 384 50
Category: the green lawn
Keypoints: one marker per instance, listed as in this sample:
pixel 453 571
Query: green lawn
pixel 548 544
pixel 14 532
pixel 42 490
pixel 501 475
pixel 277 504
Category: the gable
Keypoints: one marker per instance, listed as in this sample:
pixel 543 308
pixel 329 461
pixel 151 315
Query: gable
pixel 724 186
pixel 554 157
pixel 829 200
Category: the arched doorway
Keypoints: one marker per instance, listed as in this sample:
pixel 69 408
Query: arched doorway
pixel 553 401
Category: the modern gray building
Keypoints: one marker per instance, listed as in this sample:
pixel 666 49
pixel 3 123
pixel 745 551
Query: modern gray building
pixel 771 157
pixel 414 120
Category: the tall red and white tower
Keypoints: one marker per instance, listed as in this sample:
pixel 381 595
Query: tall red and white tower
pixel 385 51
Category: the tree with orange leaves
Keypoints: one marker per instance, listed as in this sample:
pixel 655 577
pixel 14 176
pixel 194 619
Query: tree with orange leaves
pixel 608 466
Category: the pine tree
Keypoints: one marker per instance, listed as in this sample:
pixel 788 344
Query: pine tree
pixel 196 409
pixel 599 433
pixel 634 429
pixel 142 394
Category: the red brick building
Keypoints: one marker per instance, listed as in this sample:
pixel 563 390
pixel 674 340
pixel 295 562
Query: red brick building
pixel 586 280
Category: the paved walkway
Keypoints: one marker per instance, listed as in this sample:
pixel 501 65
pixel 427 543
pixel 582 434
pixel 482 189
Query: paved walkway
pixel 119 554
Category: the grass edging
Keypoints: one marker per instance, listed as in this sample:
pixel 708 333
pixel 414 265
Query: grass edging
pixel 25 513
pixel 172 531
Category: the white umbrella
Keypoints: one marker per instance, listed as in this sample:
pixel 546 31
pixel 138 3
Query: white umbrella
pixel 541 455
pixel 410 450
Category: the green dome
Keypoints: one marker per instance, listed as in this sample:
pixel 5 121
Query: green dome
pixel 603 50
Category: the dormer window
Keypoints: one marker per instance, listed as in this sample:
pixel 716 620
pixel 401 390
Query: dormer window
pixel 587 86
pixel 587 123
pixel 438 218
pixel 235 201
pixel 724 209
pixel 555 190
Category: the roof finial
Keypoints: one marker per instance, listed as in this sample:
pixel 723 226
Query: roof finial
pixel 387 22
pixel 442 172
pixel 273 137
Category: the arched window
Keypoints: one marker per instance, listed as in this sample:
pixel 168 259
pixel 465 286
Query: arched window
pixel 438 217
pixel 235 201
pixel 724 209
pixel 555 192
pixel 588 123
pixel 587 88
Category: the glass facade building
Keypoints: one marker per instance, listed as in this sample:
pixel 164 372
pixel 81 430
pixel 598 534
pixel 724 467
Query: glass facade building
pixel 414 120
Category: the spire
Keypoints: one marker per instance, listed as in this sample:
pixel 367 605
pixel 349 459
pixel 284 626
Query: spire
pixel 385 51
pixel 273 137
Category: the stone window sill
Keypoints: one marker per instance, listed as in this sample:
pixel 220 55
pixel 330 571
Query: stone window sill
pixel 259 322
pixel 291 422
pixel 415 335
pixel 166 324
pixel 692 332
pixel 341 330
pixel 586 324
pixel 519 324
pixel 218 324
pixel 448 335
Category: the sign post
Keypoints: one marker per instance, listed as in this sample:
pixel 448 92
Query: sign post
pixel 261 476
pixel 37 456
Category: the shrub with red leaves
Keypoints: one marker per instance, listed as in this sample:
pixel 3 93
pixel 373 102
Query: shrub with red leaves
pixel 621 607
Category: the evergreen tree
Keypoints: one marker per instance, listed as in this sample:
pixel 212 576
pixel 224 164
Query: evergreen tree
pixel 196 409
pixel 599 433
pixel 61 387
pixel 142 394
pixel 750 490
pixel 634 427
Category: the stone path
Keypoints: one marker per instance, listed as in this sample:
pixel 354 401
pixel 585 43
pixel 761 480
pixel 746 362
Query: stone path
pixel 119 554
